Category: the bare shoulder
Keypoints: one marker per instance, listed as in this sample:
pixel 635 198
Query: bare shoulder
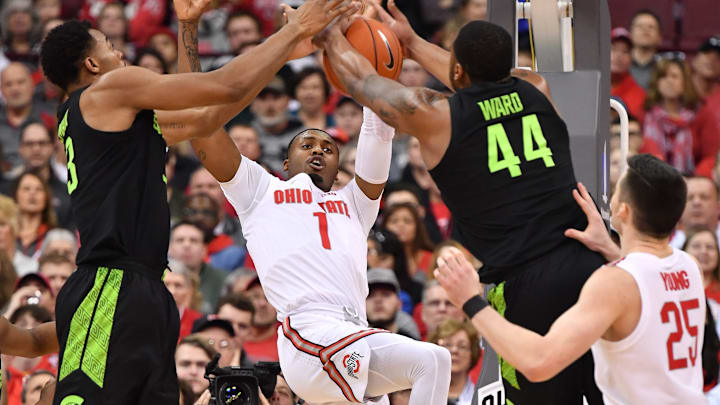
pixel 612 284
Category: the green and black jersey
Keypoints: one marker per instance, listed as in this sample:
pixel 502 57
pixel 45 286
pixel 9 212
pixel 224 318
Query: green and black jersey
pixel 117 186
pixel 507 176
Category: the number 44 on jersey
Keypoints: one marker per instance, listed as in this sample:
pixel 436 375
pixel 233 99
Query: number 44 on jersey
pixel 534 147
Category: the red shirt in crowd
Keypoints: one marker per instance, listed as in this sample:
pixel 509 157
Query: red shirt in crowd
pixel 263 350
pixel 632 95
pixel 14 383
pixel 186 321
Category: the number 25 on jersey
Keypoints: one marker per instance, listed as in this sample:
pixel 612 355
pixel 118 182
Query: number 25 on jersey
pixel 499 146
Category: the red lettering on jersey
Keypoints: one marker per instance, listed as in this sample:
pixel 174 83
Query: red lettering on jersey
pixel 339 205
pixel 279 197
pixel 675 281
pixel 297 195
pixel 347 211
pixel 290 195
pixel 331 208
pixel 322 205
pixel 307 196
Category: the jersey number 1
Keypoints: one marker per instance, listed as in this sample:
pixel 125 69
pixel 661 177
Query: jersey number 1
pixel 532 134
pixel 668 307
pixel 323 225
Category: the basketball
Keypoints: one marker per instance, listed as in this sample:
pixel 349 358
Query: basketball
pixel 377 43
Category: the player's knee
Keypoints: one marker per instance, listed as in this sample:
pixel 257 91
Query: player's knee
pixel 439 359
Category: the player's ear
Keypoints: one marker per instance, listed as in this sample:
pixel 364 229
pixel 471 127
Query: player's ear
pixel 458 72
pixel 91 65
pixel 285 165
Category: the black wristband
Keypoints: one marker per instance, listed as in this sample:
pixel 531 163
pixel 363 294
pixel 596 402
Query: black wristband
pixel 474 305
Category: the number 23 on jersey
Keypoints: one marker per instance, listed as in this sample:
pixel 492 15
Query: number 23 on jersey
pixel 499 146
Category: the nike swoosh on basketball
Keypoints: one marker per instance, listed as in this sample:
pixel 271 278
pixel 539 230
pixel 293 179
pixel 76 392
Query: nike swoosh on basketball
pixel 387 44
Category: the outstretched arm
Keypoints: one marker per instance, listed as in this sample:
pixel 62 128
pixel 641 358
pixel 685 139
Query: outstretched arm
pixel 374 152
pixel 409 110
pixel 607 295
pixel 137 88
pixel 30 343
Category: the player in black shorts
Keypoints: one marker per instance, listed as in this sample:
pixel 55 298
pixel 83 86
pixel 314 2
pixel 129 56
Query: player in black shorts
pixel 500 155
pixel 117 325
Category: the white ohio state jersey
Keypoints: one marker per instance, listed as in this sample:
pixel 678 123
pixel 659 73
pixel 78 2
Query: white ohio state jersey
pixel 660 362
pixel 309 246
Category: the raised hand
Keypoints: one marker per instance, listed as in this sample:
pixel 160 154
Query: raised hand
pixel 190 10
pixel 397 22
pixel 314 15
pixel 457 276
pixel 595 236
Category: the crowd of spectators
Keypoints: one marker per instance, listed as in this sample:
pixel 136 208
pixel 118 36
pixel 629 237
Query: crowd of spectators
pixel 673 98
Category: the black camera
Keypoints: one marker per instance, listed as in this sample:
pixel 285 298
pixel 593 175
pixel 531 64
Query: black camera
pixel 238 385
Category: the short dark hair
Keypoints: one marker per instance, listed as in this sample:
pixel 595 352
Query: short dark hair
pixel 37 312
pixel 54 258
pixel 33 121
pixel 63 51
pixel 403 186
pixel 237 301
pixel 142 52
pixel 657 193
pixel 485 51
pixel 310 71
pixel 23 393
pixel 189 223
pixel 243 13
pixel 646 11
pixel 308 130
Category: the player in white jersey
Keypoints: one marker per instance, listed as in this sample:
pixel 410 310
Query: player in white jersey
pixel 643 315
pixel 309 245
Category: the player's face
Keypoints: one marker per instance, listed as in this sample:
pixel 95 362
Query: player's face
pixel 460 351
pixel 316 154
pixel 701 208
pixel 240 320
pixel 57 274
pixel 703 247
pixel 104 54
pixel 190 362
pixel 34 386
pixel 615 204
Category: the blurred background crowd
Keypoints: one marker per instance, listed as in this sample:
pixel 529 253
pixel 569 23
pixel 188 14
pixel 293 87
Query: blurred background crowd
pixel 665 68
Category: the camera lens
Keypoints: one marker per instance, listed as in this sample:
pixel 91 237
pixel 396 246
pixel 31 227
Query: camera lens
pixel 236 394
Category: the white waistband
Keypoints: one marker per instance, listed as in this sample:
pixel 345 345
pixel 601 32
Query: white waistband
pixel 334 311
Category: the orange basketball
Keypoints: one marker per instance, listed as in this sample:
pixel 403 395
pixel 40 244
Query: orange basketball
pixel 377 43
